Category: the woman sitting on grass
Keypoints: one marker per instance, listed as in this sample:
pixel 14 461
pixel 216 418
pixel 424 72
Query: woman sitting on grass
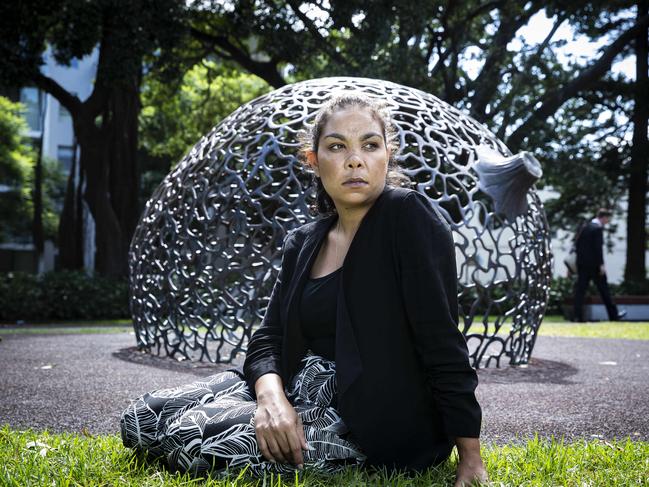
pixel 358 360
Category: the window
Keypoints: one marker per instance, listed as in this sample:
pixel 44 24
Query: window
pixel 32 98
pixel 65 155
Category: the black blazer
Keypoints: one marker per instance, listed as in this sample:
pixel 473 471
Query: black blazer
pixel 590 247
pixel 405 385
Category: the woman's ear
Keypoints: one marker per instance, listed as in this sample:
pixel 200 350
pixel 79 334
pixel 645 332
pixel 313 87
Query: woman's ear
pixel 312 161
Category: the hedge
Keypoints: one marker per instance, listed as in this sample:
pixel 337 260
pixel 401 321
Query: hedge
pixel 74 295
pixel 61 295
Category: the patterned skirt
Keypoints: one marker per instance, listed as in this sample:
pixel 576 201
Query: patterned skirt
pixel 209 425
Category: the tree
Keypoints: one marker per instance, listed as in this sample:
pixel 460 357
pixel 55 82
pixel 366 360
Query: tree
pixel 106 123
pixel 174 118
pixel 638 170
pixel 16 164
pixel 17 174
pixel 465 53
pixel 468 53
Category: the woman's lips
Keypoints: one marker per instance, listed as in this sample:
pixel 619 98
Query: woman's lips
pixel 354 183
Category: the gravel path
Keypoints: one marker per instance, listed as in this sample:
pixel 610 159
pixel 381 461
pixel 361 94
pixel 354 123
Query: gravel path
pixel 573 388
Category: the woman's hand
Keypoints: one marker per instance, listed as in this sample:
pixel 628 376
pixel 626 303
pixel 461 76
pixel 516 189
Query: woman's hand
pixel 279 430
pixel 470 469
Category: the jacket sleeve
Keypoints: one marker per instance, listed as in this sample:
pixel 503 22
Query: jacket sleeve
pixel 428 276
pixel 264 349
pixel 598 246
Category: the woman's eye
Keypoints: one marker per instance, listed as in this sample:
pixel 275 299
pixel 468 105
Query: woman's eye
pixel 335 146
pixel 372 146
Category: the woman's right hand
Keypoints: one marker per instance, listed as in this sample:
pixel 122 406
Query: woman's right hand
pixel 279 429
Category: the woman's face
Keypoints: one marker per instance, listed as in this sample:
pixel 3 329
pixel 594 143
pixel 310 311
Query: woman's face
pixel 352 158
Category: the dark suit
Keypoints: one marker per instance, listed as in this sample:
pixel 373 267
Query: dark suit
pixel 405 386
pixel 590 258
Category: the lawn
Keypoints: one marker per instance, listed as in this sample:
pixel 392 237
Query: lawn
pixel 61 329
pixel 602 329
pixel 31 458
pixel 638 330
pixel 551 326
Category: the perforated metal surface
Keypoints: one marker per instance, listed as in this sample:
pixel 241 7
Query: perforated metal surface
pixel 206 252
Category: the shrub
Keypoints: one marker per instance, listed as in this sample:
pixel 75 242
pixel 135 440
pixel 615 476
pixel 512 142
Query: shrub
pixel 561 288
pixel 62 295
pixel 638 288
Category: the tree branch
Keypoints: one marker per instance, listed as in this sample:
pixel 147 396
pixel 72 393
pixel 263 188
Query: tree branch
pixel 551 102
pixel 548 38
pixel 265 70
pixel 520 76
pixel 95 102
pixel 485 85
pixel 315 33
pixel 71 103
pixel 487 7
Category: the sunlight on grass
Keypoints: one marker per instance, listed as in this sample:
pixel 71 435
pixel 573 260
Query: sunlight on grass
pixel 558 326
pixel 551 326
pixel 33 458
pixel 64 330
pixel 603 329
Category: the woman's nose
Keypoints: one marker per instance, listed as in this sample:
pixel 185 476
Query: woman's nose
pixel 354 160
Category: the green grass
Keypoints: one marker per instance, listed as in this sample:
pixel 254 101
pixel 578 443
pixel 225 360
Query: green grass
pixel 76 460
pixel 58 330
pixel 118 322
pixel 551 326
pixel 602 329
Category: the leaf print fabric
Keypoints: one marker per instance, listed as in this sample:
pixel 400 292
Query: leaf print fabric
pixel 209 425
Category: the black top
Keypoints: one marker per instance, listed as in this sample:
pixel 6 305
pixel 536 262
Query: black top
pixel 589 247
pixel 318 313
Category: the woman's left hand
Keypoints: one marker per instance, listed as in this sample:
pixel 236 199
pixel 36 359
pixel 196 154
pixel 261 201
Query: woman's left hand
pixel 470 469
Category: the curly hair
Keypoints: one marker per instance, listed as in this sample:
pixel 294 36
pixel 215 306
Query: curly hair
pixel 310 139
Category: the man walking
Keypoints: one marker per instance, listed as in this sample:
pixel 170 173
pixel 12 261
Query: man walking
pixel 590 265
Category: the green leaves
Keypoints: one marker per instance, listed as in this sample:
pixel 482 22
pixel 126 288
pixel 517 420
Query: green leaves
pixel 173 119
pixel 64 295
pixel 16 166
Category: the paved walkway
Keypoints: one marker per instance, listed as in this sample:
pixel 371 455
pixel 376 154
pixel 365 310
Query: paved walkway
pixel 574 387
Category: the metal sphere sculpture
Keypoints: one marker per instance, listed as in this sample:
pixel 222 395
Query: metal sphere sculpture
pixel 205 255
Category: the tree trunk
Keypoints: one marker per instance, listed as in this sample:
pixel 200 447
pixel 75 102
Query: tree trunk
pixel 37 193
pixel 121 126
pixel 70 224
pixel 110 256
pixel 108 164
pixel 635 269
pixel 108 148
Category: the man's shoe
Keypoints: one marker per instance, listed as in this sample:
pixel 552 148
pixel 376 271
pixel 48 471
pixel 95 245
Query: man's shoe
pixel 620 315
